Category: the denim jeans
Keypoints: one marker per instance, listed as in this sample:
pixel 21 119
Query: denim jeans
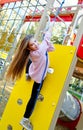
pixel 32 101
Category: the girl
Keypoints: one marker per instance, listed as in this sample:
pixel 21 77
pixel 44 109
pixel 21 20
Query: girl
pixel 30 48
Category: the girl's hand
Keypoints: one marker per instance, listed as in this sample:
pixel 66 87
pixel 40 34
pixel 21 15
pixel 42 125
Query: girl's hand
pixel 51 24
pixel 47 18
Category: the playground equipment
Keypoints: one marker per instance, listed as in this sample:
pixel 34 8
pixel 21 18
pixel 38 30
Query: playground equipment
pixel 72 121
pixel 80 47
pixel 63 69
pixel 80 50
pixel 46 112
pixel 79 66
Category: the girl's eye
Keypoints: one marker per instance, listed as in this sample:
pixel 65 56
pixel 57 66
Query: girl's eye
pixel 31 44
pixel 34 40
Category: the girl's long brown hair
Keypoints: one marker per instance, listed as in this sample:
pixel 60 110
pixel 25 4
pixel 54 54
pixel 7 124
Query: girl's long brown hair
pixel 18 63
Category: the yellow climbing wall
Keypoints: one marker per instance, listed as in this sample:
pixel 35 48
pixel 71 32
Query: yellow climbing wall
pixel 60 60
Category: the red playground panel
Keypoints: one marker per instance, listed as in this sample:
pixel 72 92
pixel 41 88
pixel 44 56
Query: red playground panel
pixel 36 17
pixel 2 2
pixel 80 49
pixel 80 1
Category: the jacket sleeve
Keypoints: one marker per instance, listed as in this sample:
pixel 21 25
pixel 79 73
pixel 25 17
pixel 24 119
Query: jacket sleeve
pixel 47 41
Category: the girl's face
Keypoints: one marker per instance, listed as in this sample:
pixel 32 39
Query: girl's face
pixel 33 44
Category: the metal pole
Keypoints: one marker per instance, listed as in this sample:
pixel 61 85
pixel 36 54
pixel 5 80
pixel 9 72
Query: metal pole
pixel 42 23
pixel 69 32
pixel 79 34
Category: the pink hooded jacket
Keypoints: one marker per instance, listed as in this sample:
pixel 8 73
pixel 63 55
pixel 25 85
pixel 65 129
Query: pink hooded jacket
pixel 38 58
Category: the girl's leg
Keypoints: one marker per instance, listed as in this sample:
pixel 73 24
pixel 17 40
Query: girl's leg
pixel 27 66
pixel 32 101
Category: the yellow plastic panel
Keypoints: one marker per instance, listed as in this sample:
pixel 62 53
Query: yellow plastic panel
pixel 60 61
